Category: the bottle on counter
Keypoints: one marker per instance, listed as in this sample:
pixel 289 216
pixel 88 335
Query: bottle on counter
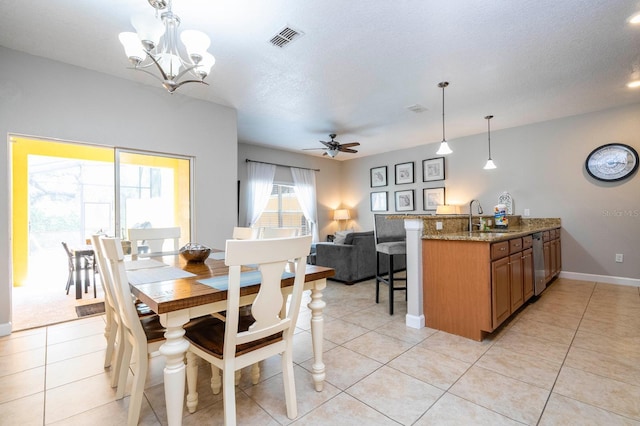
pixel 500 216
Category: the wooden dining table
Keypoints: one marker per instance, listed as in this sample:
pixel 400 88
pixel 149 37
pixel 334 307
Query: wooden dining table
pixel 181 299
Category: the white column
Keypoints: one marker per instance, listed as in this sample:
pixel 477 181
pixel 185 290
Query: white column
pixel 415 313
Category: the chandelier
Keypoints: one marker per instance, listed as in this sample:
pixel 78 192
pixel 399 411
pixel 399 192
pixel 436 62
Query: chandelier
pixel 155 46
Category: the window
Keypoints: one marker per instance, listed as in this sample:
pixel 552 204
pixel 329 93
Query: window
pixel 283 211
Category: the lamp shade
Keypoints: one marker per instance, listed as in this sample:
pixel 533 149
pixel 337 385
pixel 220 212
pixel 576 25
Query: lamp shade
pixel 447 209
pixel 341 214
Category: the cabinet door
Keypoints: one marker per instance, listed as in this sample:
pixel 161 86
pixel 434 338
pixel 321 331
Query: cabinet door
pixel 547 261
pixel 501 299
pixel 527 274
pixel 515 280
pixel 558 254
pixel 553 247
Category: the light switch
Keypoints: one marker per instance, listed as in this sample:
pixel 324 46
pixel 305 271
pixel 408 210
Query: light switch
pixel 438 226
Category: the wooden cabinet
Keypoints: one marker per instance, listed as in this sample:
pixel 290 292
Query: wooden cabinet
pixel 471 287
pixel 552 254
pixel 500 290
pixel 515 279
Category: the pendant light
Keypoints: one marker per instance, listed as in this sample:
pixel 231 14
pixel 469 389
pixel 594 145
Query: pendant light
pixel 444 146
pixel 490 165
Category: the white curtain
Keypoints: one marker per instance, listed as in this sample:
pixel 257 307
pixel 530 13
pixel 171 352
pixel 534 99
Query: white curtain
pixel 305 188
pixel 259 187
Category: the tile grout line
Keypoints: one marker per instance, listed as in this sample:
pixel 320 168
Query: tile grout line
pixel 567 354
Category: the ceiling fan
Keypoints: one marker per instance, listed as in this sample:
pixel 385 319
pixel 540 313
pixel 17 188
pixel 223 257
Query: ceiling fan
pixel 334 147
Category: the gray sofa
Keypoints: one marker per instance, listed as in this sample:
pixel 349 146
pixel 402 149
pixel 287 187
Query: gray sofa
pixel 355 259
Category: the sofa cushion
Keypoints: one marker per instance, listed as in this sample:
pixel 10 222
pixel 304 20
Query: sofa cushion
pixel 341 236
pixel 350 237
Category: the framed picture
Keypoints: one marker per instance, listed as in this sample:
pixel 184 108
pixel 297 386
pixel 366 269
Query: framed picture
pixel 432 198
pixel 404 173
pixel 404 201
pixel 379 201
pixel 379 176
pixel 433 169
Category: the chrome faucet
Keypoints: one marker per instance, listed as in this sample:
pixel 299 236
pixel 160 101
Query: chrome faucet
pixel 471 214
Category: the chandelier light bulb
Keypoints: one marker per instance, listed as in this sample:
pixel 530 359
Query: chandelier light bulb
pixel 155 48
pixel 633 84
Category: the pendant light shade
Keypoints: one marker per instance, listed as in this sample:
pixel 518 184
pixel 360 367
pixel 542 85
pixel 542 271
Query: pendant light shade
pixel 490 164
pixel 444 146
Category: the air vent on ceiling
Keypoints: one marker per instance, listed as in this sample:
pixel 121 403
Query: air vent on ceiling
pixel 416 108
pixel 285 36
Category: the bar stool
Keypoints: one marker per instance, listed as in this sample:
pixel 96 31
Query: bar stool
pixel 391 242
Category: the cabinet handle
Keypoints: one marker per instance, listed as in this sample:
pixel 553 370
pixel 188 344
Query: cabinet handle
pixel 503 249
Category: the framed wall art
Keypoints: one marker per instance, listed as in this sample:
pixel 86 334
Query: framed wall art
pixel 379 201
pixel 432 198
pixel 433 169
pixel 404 173
pixel 379 176
pixel 404 201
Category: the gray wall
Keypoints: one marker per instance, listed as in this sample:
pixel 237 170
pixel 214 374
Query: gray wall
pixel 329 182
pixel 39 97
pixel 542 167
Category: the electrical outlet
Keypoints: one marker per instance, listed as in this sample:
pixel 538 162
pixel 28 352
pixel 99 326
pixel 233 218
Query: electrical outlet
pixel 438 226
pixel 619 258
pixel 527 212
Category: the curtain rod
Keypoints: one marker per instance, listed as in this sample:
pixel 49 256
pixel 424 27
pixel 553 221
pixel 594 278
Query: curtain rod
pixel 281 165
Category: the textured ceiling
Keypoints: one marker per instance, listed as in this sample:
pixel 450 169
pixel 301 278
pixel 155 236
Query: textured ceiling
pixel 361 63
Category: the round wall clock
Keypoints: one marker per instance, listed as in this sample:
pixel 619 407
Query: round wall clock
pixel 612 162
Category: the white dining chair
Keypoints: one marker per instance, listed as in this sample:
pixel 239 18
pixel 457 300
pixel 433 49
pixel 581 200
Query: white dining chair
pixel 139 336
pixel 154 238
pixel 279 232
pixel 245 233
pixel 240 341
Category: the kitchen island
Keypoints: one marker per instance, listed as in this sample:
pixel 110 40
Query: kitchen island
pixel 474 281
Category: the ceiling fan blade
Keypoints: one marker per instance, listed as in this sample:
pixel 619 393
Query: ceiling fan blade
pixel 349 145
pixel 313 149
pixel 353 151
pixel 327 144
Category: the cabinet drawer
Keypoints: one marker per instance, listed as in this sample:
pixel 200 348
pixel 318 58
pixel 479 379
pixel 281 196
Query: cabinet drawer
pixel 545 236
pixel 515 245
pixel 499 250
pixel 527 242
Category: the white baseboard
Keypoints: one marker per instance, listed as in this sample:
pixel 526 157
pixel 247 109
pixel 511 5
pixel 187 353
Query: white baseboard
pixel 414 321
pixel 5 329
pixel 606 279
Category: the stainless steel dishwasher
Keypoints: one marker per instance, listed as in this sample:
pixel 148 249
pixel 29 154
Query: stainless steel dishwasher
pixel 538 264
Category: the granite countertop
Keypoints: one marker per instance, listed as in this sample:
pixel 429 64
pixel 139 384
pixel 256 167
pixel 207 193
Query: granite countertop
pixel 495 235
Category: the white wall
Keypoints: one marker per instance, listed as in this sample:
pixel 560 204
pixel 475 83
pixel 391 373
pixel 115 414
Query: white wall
pixel 39 97
pixel 329 182
pixel 542 167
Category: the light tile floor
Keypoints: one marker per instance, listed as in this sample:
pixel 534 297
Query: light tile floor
pixel 573 357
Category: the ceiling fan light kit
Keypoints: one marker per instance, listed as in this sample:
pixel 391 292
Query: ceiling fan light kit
pixel 333 148
pixel 155 44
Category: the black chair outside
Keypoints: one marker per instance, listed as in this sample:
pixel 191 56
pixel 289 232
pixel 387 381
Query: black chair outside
pixel 87 264
pixel 390 242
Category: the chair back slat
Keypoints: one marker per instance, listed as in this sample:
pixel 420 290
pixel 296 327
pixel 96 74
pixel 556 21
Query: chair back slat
pixel 279 232
pixel 244 233
pixel 112 250
pixel 273 257
pixel 155 238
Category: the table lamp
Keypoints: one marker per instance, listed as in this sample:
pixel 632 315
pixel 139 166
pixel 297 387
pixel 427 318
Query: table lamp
pixel 447 209
pixel 341 214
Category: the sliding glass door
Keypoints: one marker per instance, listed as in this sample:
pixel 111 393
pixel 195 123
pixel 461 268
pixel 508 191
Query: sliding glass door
pixel 67 192
pixel 153 191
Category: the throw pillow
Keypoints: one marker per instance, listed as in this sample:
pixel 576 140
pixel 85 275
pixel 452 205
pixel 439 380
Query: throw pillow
pixel 341 236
